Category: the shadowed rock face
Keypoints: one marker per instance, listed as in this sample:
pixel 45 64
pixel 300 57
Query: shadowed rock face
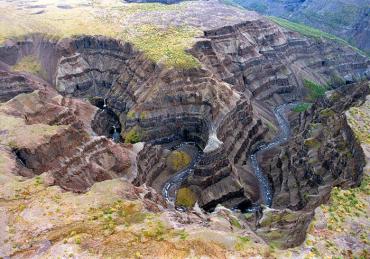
pixel 71 157
pixel 246 70
pixel 323 153
pixel 13 84
pixel 264 59
pixel 346 19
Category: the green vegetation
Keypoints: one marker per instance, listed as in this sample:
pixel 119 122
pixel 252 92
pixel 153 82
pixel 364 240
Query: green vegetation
pixel 312 143
pixel 347 204
pixel 119 213
pixel 19 134
pixel 143 115
pixel 259 7
pixel 167 45
pixel 29 64
pixel 185 197
pixel 182 234
pixel 154 229
pixel 136 8
pixel 235 223
pixel 159 43
pixel 302 107
pixel 38 180
pixel 133 136
pixel 359 120
pixel 242 243
pixel 327 112
pixel 315 90
pixel 131 115
pixel 310 32
pixel 178 160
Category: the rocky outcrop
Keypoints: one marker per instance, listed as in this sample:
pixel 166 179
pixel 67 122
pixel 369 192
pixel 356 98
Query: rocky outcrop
pixel 225 105
pixel 151 163
pixel 348 20
pixel 284 228
pixel 38 45
pixel 261 58
pixel 323 153
pixel 60 143
pixel 221 177
pixel 13 84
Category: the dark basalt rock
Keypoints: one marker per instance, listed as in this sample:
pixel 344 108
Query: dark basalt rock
pixel 323 153
pixel 105 122
pixel 12 84
pixel 247 70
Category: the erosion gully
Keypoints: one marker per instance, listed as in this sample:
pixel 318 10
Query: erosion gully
pixel 174 183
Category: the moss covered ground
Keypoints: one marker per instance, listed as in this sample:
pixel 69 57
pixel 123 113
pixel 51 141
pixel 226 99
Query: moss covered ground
pixel 311 32
pixel 29 64
pixel 178 160
pixel 185 197
pixel 160 43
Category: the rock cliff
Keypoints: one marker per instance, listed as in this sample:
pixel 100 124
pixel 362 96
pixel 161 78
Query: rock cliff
pixel 225 106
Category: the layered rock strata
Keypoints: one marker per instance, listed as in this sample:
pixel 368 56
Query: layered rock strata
pixel 50 133
pixel 322 153
pixel 245 71
pixel 265 59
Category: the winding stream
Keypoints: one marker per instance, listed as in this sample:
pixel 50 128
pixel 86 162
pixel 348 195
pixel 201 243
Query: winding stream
pixel 174 183
pixel 284 132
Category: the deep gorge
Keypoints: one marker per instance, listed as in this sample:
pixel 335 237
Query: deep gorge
pixel 226 107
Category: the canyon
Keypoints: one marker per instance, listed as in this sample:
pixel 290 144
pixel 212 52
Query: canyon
pixel 346 19
pixel 103 122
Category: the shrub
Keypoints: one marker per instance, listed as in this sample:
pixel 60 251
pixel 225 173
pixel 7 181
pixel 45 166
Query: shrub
pixel 185 197
pixel 132 136
pixel 29 64
pixel 131 115
pixel 311 32
pixel 178 160
pixel 315 90
pixel 235 223
pixel 301 107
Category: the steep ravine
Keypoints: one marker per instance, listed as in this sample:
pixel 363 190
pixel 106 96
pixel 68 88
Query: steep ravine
pixel 284 133
pixel 250 73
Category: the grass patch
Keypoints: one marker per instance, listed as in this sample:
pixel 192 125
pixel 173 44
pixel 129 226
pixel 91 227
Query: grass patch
pixel 135 8
pixel 29 64
pixel 327 112
pixel 359 120
pixel 235 223
pixel 311 32
pixel 119 213
pixel 312 143
pixel 167 45
pixel 347 204
pixel 133 136
pixel 178 160
pixel 242 243
pixel 185 197
pixel 131 115
pixel 315 90
pixel 19 134
pixel 155 230
pixel 301 107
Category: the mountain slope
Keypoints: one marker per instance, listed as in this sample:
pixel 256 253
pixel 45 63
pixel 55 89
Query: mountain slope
pixel 349 20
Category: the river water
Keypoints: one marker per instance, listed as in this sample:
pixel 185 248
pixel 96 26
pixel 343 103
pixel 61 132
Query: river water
pixel 283 135
pixel 174 183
